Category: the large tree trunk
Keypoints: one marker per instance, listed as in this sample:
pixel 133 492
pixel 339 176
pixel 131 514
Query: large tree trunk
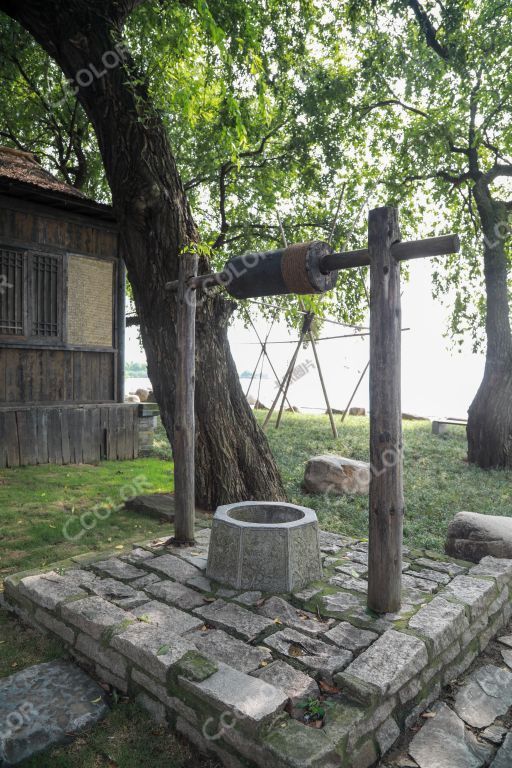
pixel 233 458
pixel 489 428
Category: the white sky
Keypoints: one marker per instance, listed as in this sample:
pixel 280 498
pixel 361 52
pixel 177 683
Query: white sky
pixel 436 381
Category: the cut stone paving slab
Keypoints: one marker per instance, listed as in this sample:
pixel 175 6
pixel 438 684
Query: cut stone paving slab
pixel 443 742
pixel 251 700
pixel 341 602
pixel 218 645
pixel 94 615
pixel 351 638
pixel 506 640
pixel 165 616
pixel 199 582
pixel 390 662
pixel 431 575
pixel 122 595
pixel 501 570
pixel 152 647
pixel 117 569
pixel 173 567
pixel 506 655
pixel 351 569
pixel 175 593
pixel 144 581
pixel 49 589
pixel 387 734
pixel 277 608
pixel 233 617
pixel 410 580
pixel 44 705
pixel 503 757
pixel 473 592
pixel 137 555
pixel 80 578
pixel 452 569
pixel 485 696
pixel 95 651
pixel 248 598
pixel 309 652
pixel 441 621
pixel 352 583
pixel 297 685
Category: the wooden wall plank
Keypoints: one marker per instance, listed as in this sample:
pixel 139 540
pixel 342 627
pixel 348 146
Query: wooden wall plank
pixel 27 435
pixel 54 436
pixel 41 417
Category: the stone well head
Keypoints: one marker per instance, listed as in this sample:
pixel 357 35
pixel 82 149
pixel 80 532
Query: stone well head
pixel 266 546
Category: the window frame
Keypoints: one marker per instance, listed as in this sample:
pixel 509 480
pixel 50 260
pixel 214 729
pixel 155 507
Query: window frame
pixel 28 337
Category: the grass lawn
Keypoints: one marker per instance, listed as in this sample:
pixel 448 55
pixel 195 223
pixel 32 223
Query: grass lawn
pixel 38 505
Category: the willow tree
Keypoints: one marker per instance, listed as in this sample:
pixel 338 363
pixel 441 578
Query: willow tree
pixel 436 92
pixel 224 108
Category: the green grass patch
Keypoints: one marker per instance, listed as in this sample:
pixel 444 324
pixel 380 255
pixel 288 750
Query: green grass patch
pixel 49 513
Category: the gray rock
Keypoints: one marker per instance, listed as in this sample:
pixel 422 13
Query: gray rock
pixel 472 536
pixel 80 578
pixel 443 742
pixel 137 555
pixel 329 541
pixel 252 701
pixel 476 593
pixel 306 594
pixel 441 621
pixel 236 619
pixel 503 757
pixel 494 733
pixel 310 652
pixel 227 593
pixel 151 647
pixel 117 569
pixel 507 657
pixel 277 608
pixel 296 684
pixel 390 662
pixel 174 593
pixel 159 505
pixel 173 567
pixel 431 575
pixel 351 638
pixel 168 618
pixel 48 590
pixel 42 705
pixel 218 645
pixel 336 475
pixel 387 734
pixel 411 580
pixel 506 640
pixel 94 616
pixel 486 695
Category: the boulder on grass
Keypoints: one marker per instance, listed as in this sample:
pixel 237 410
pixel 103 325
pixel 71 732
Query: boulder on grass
pixel 356 411
pixel 142 394
pixel 336 475
pixel 472 536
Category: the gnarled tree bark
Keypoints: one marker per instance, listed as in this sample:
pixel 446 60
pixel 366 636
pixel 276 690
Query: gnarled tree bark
pixel 233 460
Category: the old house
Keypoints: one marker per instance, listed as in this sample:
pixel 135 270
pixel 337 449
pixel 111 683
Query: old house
pixel 61 323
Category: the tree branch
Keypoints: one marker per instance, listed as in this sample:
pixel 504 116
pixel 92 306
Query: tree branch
pixel 394 102
pixel 428 29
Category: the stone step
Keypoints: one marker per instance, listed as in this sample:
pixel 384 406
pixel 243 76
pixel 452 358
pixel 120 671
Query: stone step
pixel 45 705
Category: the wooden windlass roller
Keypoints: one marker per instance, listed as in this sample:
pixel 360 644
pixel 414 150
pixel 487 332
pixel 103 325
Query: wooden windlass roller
pixel 295 269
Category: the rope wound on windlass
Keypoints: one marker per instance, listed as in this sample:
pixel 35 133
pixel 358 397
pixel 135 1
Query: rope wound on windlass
pixel 295 269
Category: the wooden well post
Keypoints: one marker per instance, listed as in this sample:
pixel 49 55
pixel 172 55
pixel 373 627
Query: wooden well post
pixel 386 503
pixel 184 419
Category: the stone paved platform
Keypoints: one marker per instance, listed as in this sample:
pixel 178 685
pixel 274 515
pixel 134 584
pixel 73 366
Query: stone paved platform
pixel 45 705
pixel 281 681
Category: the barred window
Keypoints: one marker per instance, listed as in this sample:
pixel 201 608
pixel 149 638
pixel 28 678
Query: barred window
pixel 45 299
pixel 12 296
